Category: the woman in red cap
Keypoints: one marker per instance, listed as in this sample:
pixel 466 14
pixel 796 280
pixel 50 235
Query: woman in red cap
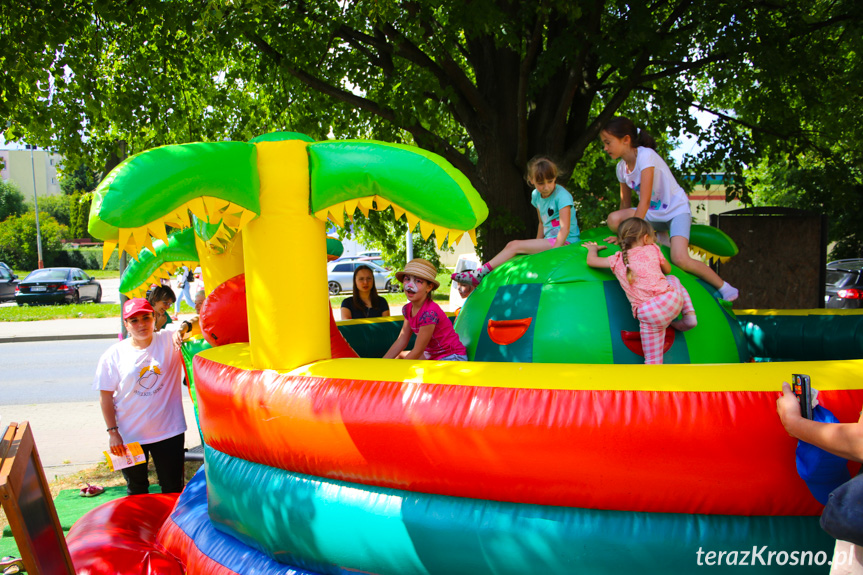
pixel 139 380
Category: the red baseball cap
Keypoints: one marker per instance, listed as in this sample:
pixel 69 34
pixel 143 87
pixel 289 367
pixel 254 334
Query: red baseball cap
pixel 136 306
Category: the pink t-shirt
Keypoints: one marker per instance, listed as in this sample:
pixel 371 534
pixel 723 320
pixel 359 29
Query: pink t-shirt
pixel 444 340
pixel 649 279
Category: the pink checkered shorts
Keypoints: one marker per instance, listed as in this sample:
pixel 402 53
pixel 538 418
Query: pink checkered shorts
pixel 656 314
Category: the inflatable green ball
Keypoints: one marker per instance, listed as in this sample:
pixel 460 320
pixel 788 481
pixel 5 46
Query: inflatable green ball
pixel 552 308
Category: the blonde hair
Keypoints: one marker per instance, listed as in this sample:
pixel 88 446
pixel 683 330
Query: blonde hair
pixel 541 169
pixel 631 230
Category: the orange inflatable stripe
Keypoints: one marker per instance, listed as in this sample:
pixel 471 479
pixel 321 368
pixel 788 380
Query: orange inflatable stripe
pixel 674 452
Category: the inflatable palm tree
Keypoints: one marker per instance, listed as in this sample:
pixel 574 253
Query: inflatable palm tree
pixel 261 208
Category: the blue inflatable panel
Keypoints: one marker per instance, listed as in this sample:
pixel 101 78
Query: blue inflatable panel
pixel 190 515
pixel 330 526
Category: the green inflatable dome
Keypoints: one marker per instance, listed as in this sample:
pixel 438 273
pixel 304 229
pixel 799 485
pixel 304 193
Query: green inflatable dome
pixel 552 308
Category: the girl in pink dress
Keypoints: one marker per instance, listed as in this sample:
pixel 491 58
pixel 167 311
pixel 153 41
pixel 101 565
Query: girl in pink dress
pixel 641 269
pixel 436 338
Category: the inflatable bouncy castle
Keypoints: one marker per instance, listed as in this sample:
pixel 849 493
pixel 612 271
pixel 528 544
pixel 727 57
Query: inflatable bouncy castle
pixel 553 451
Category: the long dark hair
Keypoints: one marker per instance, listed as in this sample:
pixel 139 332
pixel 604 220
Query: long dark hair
pixel 620 127
pixel 373 295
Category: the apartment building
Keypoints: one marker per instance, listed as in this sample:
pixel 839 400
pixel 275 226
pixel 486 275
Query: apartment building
pixel 18 167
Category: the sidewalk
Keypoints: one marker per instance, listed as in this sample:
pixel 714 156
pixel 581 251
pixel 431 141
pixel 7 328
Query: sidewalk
pixel 59 329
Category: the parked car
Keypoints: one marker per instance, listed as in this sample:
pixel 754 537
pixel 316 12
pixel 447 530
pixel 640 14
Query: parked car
pixel 844 288
pixel 8 283
pixel 348 258
pixel 57 285
pixel 374 259
pixel 340 276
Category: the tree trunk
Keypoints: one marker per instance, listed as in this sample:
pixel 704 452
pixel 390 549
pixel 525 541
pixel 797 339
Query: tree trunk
pixel 503 188
pixel 499 177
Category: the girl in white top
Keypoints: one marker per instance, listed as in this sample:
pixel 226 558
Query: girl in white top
pixel 140 381
pixel 661 200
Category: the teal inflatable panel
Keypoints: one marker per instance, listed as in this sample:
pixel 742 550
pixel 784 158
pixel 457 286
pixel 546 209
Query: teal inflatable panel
pixel 331 526
pixel 374 337
pixel 819 337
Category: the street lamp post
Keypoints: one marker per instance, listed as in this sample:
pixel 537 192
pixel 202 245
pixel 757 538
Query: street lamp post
pixel 36 205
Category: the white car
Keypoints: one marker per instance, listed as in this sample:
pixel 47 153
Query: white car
pixel 340 277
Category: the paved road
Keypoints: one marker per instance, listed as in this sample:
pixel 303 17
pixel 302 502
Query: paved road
pixel 49 372
pixel 48 384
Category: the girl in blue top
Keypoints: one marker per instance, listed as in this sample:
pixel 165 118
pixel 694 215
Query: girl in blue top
pixel 557 223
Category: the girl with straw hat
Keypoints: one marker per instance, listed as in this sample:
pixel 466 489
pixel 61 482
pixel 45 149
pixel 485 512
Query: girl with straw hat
pixel 436 339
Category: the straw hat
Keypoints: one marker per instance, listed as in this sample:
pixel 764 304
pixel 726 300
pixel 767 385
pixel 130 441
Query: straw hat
pixel 420 268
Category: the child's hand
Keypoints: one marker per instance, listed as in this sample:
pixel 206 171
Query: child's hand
pixel 787 405
pixel 611 240
pixel 593 246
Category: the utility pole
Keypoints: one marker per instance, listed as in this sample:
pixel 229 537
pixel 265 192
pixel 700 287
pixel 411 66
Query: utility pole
pixel 409 246
pixel 36 206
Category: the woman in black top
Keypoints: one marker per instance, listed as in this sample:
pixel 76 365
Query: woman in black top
pixel 365 302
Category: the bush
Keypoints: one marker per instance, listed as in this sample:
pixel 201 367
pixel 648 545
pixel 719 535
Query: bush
pixel 86 258
pixel 55 206
pixel 18 240
pixel 11 200
pixel 79 210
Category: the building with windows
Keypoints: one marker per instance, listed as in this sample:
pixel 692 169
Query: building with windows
pixel 18 167
pixel 708 198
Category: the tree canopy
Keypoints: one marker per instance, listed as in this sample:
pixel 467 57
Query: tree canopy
pixel 11 200
pixel 485 83
pixel 18 244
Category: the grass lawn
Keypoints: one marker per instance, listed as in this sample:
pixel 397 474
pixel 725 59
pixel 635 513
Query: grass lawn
pixel 98 310
pixel 398 299
pixel 69 311
pixel 98 274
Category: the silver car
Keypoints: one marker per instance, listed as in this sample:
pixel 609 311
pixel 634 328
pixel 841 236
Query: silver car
pixel 340 277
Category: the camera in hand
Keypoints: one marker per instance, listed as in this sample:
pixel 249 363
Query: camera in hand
pixel 803 391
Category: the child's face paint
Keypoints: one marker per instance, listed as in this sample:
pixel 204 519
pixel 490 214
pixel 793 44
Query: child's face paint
pixel 465 290
pixel 415 288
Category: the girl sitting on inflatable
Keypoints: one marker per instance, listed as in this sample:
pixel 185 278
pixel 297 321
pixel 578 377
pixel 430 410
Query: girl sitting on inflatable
pixel 656 299
pixel 557 224
pixel 436 338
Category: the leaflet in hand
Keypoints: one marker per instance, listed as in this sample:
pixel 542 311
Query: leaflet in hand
pixel 133 455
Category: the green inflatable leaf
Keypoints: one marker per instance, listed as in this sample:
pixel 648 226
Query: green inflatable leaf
pixel 152 184
pixel 412 178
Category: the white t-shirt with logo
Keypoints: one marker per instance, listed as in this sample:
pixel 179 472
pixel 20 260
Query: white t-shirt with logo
pixel 147 388
pixel 667 198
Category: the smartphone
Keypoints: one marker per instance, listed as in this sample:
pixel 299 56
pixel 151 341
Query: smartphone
pixel 803 391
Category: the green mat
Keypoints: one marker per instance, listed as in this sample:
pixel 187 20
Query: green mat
pixel 70 507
